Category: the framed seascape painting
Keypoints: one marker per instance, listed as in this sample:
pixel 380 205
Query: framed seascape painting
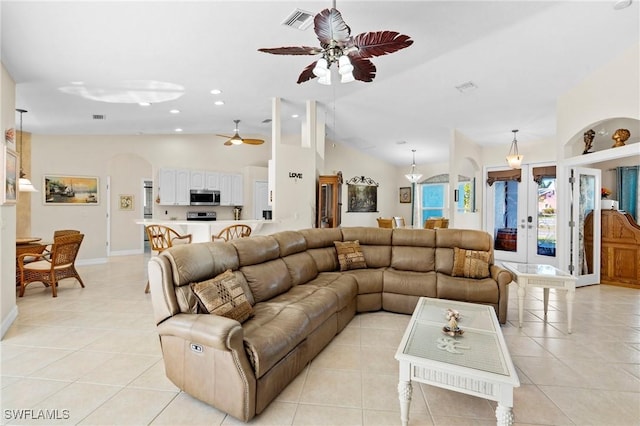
pixel 9 176
pixel 70 190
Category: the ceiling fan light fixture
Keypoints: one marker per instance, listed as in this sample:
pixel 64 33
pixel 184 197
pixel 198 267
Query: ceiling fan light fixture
pixel 236 139
pixel 322 68
pixel 344 65
pixel 347 78
pixel 325 79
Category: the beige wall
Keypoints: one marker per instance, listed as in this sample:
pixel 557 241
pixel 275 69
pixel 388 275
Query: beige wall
pixel 8 308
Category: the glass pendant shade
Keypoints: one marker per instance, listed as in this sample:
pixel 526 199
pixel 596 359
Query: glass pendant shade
pixel 514 159
pixel 322 68
pixel 412 176
pixel 24 184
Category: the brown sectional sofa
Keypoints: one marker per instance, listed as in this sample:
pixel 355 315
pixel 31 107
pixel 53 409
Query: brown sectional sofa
pixel 300 301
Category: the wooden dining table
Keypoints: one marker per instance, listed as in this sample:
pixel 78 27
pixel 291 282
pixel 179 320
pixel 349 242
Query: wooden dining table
pixel 30 245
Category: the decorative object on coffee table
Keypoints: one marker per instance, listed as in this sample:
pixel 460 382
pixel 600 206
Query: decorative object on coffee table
pixel 620 137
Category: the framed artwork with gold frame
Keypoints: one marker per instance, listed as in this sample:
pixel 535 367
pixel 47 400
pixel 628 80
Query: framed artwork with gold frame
pixel 126 202
pixel 405 194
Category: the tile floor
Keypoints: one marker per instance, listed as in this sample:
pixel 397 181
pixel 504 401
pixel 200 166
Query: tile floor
pixel 92 357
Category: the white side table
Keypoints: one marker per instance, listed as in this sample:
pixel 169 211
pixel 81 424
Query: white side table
pixel 546 277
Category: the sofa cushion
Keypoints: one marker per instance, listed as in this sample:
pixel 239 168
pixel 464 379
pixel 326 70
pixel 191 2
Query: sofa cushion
pixel 301 267
pixel 470 263
pixel 468 289
pixel 374 242
pixel 267 279
pixel 350 255
pixel 223 295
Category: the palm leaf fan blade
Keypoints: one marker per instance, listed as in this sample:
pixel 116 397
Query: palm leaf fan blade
pixel 291 50
pixel 363 69
pixel 329 26
pixel 378 43
pixel 307 73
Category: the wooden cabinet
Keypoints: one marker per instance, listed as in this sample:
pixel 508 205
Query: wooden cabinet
pixel 620 248
pixel 174 187
pixel 329 208
pixel 231 189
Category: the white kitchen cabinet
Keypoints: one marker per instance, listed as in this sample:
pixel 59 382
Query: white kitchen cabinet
pixel 174 187
pixel 197 180
pixel 203 179
pixel 212 181
pixel 231 189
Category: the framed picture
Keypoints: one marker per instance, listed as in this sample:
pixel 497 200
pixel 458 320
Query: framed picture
pixel 9 176
pixel 405 194
pixel 70 190
pixel 126 202
pixel 10 138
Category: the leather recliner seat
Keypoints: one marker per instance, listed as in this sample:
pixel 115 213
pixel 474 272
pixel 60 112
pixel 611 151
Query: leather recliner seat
pixel 300 301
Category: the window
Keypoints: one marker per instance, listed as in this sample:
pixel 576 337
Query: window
pixel 433 200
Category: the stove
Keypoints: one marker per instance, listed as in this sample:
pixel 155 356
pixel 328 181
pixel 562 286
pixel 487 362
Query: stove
pixel 201 215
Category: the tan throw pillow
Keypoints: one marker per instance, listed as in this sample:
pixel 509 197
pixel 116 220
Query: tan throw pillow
pixel 470 263
pixel 223 295
pixel 350 255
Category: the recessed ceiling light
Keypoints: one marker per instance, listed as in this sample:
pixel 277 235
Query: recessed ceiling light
pixel 295 116
pixel 178 129
pixel 219 103
pixel 77 83
pixel 216 91
pixel 174 111
pixel 144 103
pixel 622 4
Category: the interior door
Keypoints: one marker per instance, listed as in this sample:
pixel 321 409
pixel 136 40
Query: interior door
pixel 541 221
pixel 585 198
pixel 261 198
pixel 506 207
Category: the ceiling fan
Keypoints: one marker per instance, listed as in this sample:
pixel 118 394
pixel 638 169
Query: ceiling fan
pixel 338 46
pixel 237 140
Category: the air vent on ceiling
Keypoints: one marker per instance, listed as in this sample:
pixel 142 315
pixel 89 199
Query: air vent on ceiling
pixel 299 19
pixel 266 121
pixel 99 117
pixel 467 87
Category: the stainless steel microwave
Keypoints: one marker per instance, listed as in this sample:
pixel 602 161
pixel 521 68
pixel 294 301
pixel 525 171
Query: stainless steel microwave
pixel 204 197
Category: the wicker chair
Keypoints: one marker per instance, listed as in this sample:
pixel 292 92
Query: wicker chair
pixel 232 232
pixel 436 223
pixel 50 269
pixel 161 238
pixel 385 223
pixel 61 232
pixel 398 222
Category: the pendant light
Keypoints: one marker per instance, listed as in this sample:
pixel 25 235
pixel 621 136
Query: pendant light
pixel 413 177
pixel 24 184
pixel 514 159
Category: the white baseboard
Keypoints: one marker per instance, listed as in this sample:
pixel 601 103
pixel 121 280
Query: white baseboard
pixel 10 318
pixel 126 252
pixel 94 261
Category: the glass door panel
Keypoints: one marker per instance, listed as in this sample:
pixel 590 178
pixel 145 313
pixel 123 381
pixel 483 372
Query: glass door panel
pixel 585 199
pixel 542 222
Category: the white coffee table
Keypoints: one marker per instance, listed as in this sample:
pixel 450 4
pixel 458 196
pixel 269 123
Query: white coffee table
pixel 545 276
pixel 477 363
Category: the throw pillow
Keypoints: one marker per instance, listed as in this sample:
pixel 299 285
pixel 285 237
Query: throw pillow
pixel 350 255
pixel 470 263
pixel 223 295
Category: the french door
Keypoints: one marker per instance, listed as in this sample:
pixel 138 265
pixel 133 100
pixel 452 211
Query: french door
pixel 521 213
pixel 585 199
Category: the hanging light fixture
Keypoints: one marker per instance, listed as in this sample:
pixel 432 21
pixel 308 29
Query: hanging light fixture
pixel 514 159
pixel 413 177
pixel 24 184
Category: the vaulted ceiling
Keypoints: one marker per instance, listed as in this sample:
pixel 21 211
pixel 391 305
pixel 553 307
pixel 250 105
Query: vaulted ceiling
pixel 78 59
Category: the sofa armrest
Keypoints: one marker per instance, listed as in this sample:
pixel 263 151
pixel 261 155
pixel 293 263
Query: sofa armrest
pixel 501 275
pixel 502 278
pixel 214 331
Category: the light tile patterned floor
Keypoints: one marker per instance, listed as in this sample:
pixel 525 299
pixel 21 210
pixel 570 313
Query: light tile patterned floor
pixel 91 356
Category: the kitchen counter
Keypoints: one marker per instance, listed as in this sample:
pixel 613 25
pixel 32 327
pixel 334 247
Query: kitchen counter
pixel 202 230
